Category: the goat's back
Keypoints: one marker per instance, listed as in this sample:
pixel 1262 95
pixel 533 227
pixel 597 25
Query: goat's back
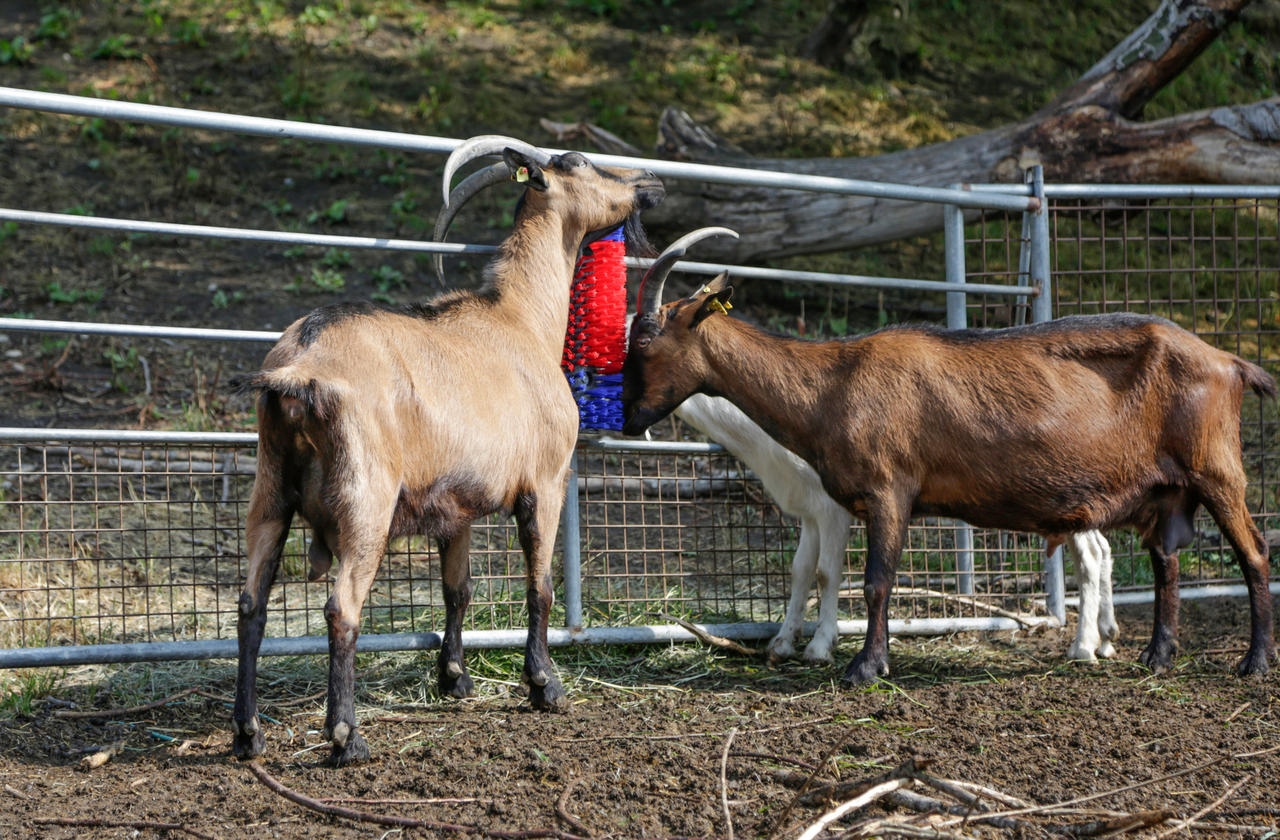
pixel 1066 425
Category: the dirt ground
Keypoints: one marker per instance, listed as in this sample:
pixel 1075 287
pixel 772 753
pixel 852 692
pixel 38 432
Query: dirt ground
pixel 640 753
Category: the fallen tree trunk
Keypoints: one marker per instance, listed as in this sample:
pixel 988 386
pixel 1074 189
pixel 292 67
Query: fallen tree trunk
pixel 1090 133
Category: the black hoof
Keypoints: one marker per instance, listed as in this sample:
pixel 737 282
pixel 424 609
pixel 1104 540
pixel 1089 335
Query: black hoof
pixel 353 751
pixel 1255 663
pixel 1159 656
pixel 246 745
pixel 864 670
pixel 549 697
pixel 459 687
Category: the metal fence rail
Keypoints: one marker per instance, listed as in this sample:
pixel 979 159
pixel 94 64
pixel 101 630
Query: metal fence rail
pixel 119 546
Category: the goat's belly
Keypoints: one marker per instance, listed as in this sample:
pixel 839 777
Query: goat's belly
pixel 442 509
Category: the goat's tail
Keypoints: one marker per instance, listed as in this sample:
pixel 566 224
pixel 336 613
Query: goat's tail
pixel 1262 383
pixel 306 395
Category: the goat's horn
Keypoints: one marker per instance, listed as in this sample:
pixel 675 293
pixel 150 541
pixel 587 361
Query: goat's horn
pixel 475 182
pixel 486 144
pixel 649 297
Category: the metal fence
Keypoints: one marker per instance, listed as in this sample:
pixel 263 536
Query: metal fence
pixel 126 546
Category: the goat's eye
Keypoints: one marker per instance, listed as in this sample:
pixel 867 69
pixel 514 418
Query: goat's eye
pixel 642 341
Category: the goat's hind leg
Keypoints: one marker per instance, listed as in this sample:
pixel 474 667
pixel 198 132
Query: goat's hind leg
pixel 455 560
pixel 362 548
pixel 537 516
pixel 1252 553
pixel 833 539
pixel 1172 531
pixel 266 530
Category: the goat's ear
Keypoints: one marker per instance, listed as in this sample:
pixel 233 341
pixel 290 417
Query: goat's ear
pixel 524 170
pixel 713 297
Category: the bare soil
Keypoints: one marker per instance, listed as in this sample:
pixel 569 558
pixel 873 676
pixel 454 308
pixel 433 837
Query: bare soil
pixel 640 752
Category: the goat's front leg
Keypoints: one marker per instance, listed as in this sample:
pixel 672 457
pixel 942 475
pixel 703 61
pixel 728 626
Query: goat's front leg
pixel 886 533
pixel 1163 647
pixel 783 645
pixel 537 515
pixel 266 530
pixel 456 579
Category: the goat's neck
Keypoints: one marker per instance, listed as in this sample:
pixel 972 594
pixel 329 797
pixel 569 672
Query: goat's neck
pixel 778 382
pixel 533 275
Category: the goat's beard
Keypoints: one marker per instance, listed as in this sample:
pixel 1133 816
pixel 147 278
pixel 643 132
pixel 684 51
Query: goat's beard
pixel 638 244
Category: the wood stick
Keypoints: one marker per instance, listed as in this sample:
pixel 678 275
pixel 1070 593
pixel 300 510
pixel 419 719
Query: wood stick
pixel 866 798
pixel 137 825
pixel 562 809
pixel 1206 809
pixel 1117 825
pixel 405 822
pixel 126 710
pixel 715 641
pixel 724 782
pixel 927 804
pixel 786 812
pixel 445 800
pixel 769 757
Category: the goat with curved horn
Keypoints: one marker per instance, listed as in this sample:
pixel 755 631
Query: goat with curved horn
pixel 471 186
pixel 649 296
pixel 484 146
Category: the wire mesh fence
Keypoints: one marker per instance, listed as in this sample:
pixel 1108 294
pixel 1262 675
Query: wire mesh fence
pixel 124 543
pixel 1208 264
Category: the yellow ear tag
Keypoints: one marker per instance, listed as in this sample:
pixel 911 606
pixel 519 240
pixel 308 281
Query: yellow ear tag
pixel 522 174
pixel 721 305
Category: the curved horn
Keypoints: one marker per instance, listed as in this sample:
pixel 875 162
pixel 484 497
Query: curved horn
pixel 649 297
pixel 479 180
pixel 486 144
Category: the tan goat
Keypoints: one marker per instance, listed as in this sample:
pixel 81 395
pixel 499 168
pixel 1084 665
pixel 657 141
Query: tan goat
pixel 377 423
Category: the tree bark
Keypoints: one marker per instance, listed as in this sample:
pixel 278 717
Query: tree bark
pixel 1089 133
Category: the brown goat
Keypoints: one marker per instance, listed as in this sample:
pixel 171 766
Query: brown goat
pixel 1080 423
pixel 376 423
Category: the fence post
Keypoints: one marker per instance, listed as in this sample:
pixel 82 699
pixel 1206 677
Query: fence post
pixel 1055 584
pixel 957 319
pixel 570 528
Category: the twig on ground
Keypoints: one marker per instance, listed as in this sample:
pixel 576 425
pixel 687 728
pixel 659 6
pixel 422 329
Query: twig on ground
pixel 948 596
pixel 1238 711
pixel 786 812
pixel 137 825
pixel 1117 825
pixel 927 804
pixel 1206 809
pixel 126 710
pixel 405 822
pixel 866 798
pixel 443 800
pixel 724 782
pixel 101 756
pixel 715 641
pixel 562 809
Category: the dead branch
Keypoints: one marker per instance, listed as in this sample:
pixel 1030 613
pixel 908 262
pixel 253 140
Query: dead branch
pixel 562 809
pixel 1117 825
pixel 714 641
pixel 724 782
pixel 604 140
pixel 928 805
pixel 439 800
pixel 781 759
pixel 404 822
pixel 861 801
pixel 132 710
pixel 1206 809
pixel 137 825
pixel 804 786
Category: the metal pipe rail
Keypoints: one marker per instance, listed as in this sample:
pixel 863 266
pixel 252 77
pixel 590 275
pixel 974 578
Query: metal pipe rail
pixel 190 118
pixel 454 248
pixel 1137 192
pixel 556 637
